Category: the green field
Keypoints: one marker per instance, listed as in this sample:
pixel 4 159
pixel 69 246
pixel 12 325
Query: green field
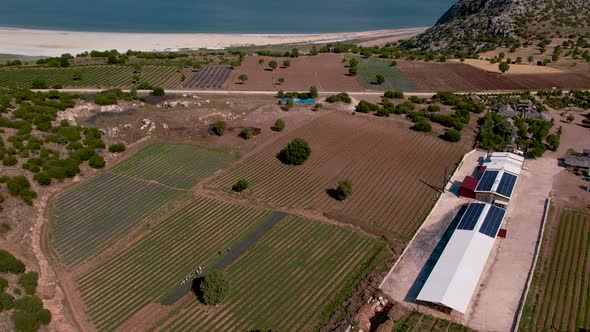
pixel 174 165
pixel 92 76
pixel 558 299
pixel 90 216
pixel 286 281
pixel 368 68
pixel 418 322
pixel 192 236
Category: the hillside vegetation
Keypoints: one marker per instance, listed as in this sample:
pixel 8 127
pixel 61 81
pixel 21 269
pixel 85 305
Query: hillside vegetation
pixel 474 26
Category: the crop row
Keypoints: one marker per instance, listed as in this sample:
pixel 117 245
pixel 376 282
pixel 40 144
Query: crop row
pixel 92 76
pixel 90 216
pixel 212 76
pixel 559 297
pixel 392 182
pixel 190 237
pixel 284 282
pixel 368 69
pixel 174 165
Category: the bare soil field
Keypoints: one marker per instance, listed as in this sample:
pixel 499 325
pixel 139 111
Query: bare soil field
pixel 325 71
pixel 514 69
pixel 432 76
pixel 395 172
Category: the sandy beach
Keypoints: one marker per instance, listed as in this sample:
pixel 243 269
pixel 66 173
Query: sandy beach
pixel 53 42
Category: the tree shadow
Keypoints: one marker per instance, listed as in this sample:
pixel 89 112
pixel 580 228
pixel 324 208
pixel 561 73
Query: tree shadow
pixel 196 288
pixel 332 193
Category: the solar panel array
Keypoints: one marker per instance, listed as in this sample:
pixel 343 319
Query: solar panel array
pixel 506 185
pixel 471 216
pixel 493 221
pixel 487 181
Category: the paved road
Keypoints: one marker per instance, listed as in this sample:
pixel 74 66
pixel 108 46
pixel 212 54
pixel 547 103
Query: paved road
pixel 272 93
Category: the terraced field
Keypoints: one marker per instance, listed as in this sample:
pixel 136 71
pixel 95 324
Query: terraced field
pixel 92 76
pixel 174 165
pixel 286 281
pixel 558 299
pixel 368 69
pixel 394 172
pixel 191 236
pixel 90 216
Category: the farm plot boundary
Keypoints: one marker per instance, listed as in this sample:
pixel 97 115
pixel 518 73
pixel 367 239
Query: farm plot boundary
pixel 304 264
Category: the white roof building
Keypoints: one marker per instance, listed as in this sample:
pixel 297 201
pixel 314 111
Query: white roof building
pixel 456 274
pixel 504 160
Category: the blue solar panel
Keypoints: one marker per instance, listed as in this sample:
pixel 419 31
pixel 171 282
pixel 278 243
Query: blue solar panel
pixel 471 216
pixel 487 181
pixel 506 185
pixel 492 222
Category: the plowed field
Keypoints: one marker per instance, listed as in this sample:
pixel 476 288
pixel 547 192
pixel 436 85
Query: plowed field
pixel 394 172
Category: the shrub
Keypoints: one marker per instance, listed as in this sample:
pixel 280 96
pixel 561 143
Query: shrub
pixel 433 108
pixel 313 92
pixel 117 148
pixel 158 91
pixel 366 107
pixel 28 303
pixel 24 321
pixel 279 125
pixel 219 128
pixel 38 84
pixel 536 150
pixel 243 78
pixel 352 71
pixel 42 178
pixel 28 281
pixel 19 186
pixel 393 95
pixel 240 186
pixel 214 288
pixel 379 79
pixel 393 63
pixel 553 141
pixel 586 121
pixel 423 126
pixel 295 153
pixel 343 190
pixel 10 264
pixel 9 161
pixel 3 284
pixel 246 133
pixel 96 161
pixel 382 112
pixel 570 118
pixel 144 86
pixel 6 301
pixel 341 97
pixel 44 316
pixel 451 135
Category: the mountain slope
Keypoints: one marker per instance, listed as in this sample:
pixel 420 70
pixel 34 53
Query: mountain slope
pixel 472 26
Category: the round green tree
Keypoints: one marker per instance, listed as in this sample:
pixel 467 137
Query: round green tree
pixel 214 288
pixel 295 153
pixel 116 147
pixel 279 125
pixel 240 186
pixel 219 128
pixel 343 190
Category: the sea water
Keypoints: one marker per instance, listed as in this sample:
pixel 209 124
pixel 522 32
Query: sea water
pixel 222 16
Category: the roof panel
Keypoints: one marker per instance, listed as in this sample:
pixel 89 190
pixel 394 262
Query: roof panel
pixel 487 181
pixel 471 216
pixel 506 185
pixel 492 221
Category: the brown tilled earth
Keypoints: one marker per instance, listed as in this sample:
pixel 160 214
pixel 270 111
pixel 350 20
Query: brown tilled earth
pixel 324 71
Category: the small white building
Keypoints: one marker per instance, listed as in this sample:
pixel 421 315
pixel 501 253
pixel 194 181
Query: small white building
pixel 456 274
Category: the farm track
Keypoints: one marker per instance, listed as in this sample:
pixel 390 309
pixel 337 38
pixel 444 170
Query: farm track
pixel 559 298
pixel 372 154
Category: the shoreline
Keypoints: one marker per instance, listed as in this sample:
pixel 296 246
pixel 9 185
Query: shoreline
pixel 32 42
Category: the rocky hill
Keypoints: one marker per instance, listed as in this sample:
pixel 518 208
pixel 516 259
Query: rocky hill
pixel 472 26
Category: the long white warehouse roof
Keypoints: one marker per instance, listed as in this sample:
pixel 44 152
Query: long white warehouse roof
pixel 456 274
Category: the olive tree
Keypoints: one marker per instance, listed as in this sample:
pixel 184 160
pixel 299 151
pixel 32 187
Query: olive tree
pixel 214 288
pixel 295 153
